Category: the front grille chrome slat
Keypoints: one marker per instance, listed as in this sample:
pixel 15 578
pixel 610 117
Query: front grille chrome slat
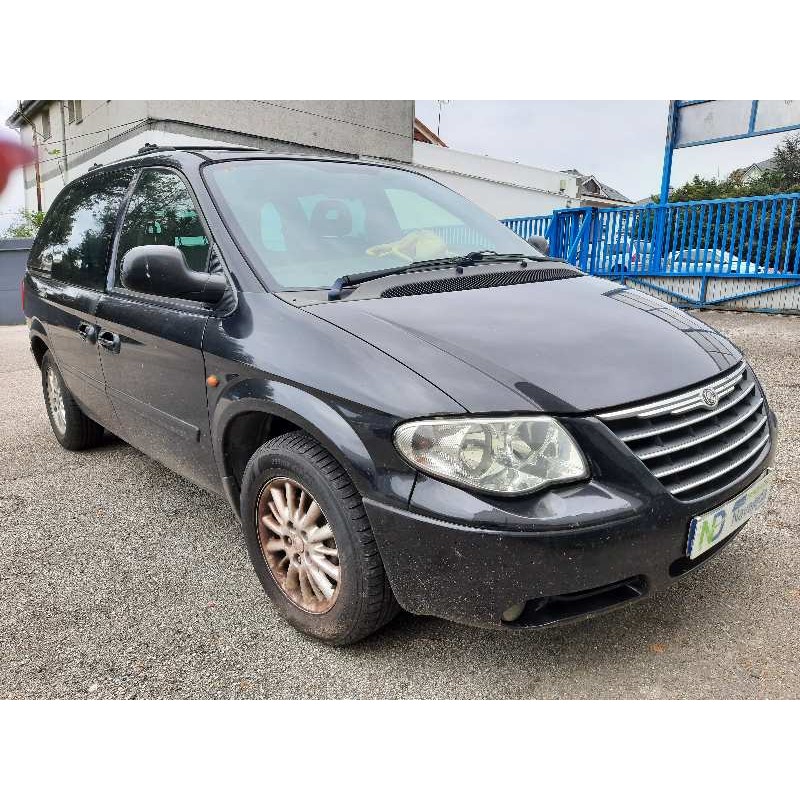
pixel 656 452
pixel 663 406
pixel 691 452
pixel 685 487
pixel 682 466
pixel 691 405
pixel 693 420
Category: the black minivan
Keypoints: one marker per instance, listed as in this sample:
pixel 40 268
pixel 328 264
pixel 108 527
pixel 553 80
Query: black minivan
pixel 407 405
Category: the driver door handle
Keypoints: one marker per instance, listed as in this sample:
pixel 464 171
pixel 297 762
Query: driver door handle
pixel 110 341
pixel 87 332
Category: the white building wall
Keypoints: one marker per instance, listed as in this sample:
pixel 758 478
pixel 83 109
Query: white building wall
pixel 52 185
pixel 110 129
pixel 114 129
pixel 376 128
pixel 503 188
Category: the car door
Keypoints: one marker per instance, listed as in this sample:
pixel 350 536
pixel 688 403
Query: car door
pixel 150 347
pixel 69 263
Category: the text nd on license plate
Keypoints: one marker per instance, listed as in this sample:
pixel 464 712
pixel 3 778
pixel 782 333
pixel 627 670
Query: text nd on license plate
pixel 712 527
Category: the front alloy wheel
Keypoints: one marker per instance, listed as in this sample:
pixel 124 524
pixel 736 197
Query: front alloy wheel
pixel 311 543
pixel 298 545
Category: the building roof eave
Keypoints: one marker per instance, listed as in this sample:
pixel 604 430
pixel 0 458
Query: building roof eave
pixel 425 134
pixel 23 112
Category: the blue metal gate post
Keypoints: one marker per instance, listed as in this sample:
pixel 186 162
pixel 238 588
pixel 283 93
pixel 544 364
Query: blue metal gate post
pixel 669 147
pixel 586 236
pixel 555 235
pixel 550 233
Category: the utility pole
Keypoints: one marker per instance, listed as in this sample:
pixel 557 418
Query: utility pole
pixel 38 171
pixel 440 103
pixel 64 140
pixel 35 159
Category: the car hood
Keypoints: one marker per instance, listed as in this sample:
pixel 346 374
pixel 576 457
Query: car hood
pixel 563 346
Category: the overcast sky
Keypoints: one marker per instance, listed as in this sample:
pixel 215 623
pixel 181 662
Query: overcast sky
pixel 621 142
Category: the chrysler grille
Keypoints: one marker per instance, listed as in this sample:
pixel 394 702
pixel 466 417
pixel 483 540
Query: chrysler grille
pixel 701 440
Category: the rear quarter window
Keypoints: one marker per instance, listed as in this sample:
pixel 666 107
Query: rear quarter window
pixel 74 242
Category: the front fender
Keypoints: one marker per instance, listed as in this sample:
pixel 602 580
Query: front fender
pixel 349 395
pixel 340 429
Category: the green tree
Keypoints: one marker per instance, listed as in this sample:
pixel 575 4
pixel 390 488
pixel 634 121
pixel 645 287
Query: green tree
pixel 785 173
pixel 783 177
pixel 26 227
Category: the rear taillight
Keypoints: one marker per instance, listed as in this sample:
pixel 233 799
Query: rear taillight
pixel 22 293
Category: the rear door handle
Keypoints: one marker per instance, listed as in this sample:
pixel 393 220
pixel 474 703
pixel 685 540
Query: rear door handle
pixel 87 332
pixel 110 341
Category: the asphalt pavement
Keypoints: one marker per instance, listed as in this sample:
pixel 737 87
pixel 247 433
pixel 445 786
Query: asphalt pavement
pixel 119 579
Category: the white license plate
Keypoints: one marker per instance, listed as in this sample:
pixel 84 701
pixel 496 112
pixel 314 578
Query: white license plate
pixel 712 527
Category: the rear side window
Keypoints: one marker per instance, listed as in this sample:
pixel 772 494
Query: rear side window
pixel 161 211
pixel 74 243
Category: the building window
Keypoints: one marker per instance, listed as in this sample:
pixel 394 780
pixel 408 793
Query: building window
pixel 74 111
pixel 46 125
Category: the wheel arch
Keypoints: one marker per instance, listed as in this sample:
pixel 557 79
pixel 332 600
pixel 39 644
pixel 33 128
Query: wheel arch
pixel 38 341
pixel 255 411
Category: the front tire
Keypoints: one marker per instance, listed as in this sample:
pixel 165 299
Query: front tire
pixel 311 543
pixel 73 429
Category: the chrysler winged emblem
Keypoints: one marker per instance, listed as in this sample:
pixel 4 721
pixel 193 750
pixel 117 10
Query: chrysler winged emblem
pixel 710 397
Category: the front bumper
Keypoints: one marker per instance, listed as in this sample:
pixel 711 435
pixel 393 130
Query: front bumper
pixel 602 545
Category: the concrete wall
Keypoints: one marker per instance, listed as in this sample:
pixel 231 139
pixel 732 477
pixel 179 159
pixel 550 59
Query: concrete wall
pixel 503 188
pixel 378 128
pixel 785 301
pixel 119 147
pixel 113 129
pixel 102 121
pixel 13 258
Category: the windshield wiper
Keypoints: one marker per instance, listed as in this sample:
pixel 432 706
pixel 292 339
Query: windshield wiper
pixel 475 257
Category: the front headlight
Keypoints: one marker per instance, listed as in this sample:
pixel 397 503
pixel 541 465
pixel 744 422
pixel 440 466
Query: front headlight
pixel 509 456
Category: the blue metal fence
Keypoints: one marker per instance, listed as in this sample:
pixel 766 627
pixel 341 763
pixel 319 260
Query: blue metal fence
pixel 460 235
pixel 744 238
pixel 530 226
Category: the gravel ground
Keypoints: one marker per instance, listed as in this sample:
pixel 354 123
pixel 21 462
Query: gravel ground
pixel 119 579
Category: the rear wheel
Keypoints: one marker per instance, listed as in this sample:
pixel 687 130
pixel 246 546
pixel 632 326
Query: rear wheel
pixel 73 429
pixel 311 543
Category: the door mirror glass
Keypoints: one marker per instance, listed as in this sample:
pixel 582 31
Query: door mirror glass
pixel 161 270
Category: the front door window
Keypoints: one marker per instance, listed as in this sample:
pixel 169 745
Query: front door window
pixel 161 211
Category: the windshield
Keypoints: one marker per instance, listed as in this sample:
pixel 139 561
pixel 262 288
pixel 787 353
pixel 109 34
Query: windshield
pixel 307 223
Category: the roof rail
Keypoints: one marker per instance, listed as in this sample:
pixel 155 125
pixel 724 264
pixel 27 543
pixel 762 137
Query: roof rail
pixel 149 148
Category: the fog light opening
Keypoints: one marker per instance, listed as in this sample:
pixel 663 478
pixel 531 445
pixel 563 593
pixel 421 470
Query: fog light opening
pixel 513 613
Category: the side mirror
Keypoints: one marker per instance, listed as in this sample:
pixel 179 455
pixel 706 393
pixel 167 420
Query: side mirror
pixel 161 270
pixel 540 243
